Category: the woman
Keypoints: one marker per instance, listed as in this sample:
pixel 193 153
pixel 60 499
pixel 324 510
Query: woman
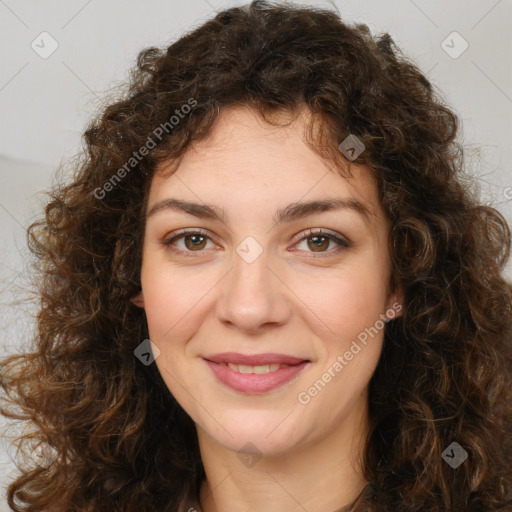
pixel 268 287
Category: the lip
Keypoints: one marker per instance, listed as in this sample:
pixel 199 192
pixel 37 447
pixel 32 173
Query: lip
pixel 255 383
pixel 254 360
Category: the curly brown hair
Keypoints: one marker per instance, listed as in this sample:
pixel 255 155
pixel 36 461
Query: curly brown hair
pixel 120 439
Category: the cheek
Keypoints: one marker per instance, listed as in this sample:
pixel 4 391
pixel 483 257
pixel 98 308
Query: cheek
pixel 174 300
pixel 343 304
pixel 350 334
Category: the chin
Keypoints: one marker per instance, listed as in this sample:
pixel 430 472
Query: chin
pixel 266 431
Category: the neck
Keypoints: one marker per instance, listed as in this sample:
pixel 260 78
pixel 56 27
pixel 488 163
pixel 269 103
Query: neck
pixel 319 475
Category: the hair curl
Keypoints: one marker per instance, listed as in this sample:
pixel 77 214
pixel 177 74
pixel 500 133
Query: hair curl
pixel 122 442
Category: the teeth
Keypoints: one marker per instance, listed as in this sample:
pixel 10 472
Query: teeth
pixel 262 368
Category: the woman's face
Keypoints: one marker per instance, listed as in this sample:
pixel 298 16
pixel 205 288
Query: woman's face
pixel 267 332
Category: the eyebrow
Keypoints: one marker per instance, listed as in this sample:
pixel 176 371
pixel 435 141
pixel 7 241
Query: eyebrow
pixel 293 211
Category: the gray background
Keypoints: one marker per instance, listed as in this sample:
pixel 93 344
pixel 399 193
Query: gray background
pixel 45 102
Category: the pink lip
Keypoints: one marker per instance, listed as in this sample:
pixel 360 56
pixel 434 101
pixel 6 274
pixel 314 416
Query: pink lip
pixel 255 383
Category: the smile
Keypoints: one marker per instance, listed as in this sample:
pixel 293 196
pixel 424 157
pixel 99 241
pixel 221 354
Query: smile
pixel 266 373
pixel 261 368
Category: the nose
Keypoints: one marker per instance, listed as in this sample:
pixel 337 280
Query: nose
pixel 254 295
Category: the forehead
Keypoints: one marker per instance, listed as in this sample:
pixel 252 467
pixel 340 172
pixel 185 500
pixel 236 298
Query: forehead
pixel 246 162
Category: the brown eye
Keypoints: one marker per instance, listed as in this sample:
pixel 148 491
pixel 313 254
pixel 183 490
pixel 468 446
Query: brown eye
pixel 318 243
pixel 193 242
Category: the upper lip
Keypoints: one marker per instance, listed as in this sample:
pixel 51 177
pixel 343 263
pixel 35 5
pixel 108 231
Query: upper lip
pixel 254 360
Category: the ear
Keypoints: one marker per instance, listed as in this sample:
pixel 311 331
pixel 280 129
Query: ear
pixel 395 304
pixel 138 300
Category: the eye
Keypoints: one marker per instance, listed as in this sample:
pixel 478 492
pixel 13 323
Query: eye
pixel 318 240
pixel 194 241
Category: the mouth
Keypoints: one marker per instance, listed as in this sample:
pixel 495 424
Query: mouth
pixel 255 374
pixel 260 369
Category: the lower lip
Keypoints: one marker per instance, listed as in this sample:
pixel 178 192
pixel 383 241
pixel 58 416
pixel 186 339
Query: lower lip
pixel 255 382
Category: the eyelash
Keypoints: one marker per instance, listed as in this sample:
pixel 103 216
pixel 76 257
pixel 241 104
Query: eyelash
pixel 343 244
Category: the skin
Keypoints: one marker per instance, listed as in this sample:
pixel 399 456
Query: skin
pixel 308 455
